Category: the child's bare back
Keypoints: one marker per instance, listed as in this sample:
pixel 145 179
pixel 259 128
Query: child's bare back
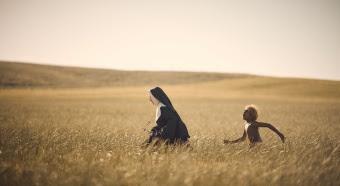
pixel 251 128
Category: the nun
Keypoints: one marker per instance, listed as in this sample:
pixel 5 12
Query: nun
pixel 169 129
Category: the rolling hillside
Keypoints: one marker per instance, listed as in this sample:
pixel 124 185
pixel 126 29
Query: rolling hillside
pixel 115 83
pixel 14 75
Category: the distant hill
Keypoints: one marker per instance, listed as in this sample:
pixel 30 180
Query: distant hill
pixel 185 84
pixel 14 75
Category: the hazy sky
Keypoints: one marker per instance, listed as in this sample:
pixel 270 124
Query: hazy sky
pixel 274 37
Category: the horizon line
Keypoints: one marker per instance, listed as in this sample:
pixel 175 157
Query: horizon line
pixel 164 70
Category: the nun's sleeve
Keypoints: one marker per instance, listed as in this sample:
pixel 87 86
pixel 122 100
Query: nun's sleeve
pixel 169 120
pixel 161 121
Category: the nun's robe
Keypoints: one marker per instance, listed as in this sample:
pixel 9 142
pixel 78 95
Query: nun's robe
pixel 170 127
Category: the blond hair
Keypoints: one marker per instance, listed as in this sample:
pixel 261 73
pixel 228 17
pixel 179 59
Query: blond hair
pixel 253 112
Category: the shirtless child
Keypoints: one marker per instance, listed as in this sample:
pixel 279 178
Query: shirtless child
pixel 251 128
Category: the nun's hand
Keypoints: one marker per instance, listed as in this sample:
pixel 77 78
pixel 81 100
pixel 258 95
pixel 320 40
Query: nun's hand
pixel 154 129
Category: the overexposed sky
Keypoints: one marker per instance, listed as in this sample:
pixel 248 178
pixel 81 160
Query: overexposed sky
pixel 298 38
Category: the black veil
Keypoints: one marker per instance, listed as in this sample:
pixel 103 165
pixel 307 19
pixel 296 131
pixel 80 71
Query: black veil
pixel 159 94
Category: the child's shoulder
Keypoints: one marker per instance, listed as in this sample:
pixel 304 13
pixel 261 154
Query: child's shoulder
pixel 261 124
pixel 253 123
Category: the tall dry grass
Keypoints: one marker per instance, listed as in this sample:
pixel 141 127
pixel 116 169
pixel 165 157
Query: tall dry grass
pixel 84 137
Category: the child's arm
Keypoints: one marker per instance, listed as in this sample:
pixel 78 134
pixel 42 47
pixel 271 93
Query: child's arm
pixel 271 127
pixel 237 140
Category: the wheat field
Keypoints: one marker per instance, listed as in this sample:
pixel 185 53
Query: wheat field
pixel 93 136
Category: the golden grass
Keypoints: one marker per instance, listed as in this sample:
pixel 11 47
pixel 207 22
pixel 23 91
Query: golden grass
pixel 92 136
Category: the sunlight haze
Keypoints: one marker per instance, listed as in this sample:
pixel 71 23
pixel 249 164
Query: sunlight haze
pixel 290 38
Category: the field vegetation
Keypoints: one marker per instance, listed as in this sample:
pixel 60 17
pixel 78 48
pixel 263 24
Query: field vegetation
pixel 73 126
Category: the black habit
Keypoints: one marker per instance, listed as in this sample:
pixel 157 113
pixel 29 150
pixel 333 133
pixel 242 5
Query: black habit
pixel 169 126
